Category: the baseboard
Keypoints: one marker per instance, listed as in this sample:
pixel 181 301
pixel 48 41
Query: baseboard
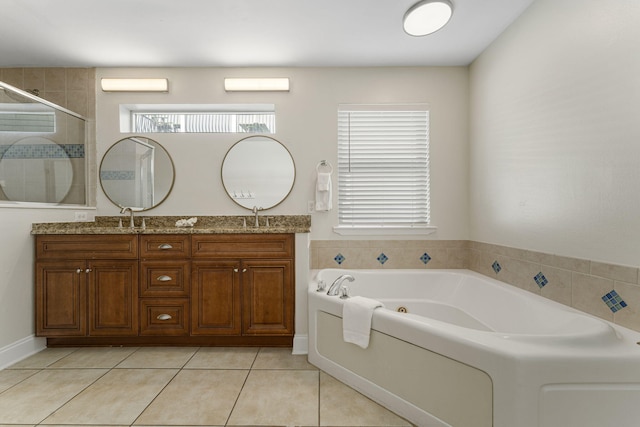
pixel 300 344
pixel 21 349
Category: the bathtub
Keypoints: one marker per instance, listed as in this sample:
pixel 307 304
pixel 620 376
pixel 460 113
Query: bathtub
pixel 456 348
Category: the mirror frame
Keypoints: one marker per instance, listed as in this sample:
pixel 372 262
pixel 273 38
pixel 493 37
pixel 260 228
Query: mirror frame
pixel 293 164
pixel 135 208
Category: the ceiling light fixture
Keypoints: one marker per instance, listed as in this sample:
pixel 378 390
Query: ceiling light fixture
pixel 427 17
pixel 134 85
pixel 273 84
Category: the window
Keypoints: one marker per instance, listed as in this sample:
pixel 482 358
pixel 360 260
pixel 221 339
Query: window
pixel 383 169
pixel 178 118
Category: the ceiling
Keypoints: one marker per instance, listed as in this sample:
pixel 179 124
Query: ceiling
pixel 241 33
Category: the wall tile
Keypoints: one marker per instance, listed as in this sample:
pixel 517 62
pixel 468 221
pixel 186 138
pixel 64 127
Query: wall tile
pixel 587 292
pixel 630 315
pixel 519 273
pixel 33 79
pixel 615 272
pixel 13 76
pixel 559 286
pixel 55 80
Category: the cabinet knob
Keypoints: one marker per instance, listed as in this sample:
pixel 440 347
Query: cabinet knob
pixel 164 279
pixel 244 270
pixel 165 246
pixel 235 270
pixel 164 317
pixel 88 270
pixel 78 270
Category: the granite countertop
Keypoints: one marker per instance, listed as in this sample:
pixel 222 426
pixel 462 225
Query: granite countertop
pixel 166 225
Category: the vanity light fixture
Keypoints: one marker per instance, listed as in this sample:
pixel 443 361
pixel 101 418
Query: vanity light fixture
pixel 261 84
pixel 134 85
pixel 427 17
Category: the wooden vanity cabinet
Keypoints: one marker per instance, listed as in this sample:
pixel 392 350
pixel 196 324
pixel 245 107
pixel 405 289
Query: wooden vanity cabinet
pixel 182 289
pixel 244 284
pixel 86 285
pixel 165 275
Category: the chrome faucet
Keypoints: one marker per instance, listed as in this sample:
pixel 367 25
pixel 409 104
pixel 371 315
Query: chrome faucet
pixel 255 210
pixel 335 287
pixel 130 210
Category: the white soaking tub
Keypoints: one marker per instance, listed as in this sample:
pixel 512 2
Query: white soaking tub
pixel 471 351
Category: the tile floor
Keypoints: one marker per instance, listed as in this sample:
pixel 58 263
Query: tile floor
pixel 178 386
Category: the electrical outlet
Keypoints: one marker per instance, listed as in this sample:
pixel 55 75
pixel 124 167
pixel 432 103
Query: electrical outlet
pixel 311 206
pixel 81 216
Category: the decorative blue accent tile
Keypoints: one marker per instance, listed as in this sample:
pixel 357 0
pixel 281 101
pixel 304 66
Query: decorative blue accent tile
pixel 540 280
pixel 425 258
pixel 614 301
pixel 117 175
pixel 42 151
pixel 382 258
pixel 496 267
pixel 339 258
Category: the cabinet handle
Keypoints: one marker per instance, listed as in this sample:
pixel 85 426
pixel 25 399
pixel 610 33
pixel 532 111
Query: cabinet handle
pixel 235 270
pixel 165 246
pixel 164 279
pixel 244 270
pixel 164 317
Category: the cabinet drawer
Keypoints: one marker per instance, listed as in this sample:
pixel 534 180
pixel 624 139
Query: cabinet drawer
pixel 165 278
pixel 243 246
pixel 86 246
pixel 166 317
pixel 165 246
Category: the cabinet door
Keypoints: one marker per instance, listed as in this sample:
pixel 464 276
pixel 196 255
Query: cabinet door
pixel 61 299
pixel 215 298
pixel 113 298
pixel 268 297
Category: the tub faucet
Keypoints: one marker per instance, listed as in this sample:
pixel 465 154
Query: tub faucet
pixel 335 287
pixel 130 210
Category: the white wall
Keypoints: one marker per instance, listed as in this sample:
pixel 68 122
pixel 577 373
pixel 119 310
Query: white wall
pixel 555 141
pixel 307 126
pixel 17 319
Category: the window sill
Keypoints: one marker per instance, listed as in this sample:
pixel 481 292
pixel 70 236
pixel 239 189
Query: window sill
pixel 384 231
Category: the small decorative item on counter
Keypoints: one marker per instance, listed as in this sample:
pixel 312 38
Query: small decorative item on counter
pixel 186 222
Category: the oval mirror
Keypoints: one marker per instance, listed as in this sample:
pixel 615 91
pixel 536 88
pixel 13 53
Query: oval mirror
pixel 137 172
pixel 258 171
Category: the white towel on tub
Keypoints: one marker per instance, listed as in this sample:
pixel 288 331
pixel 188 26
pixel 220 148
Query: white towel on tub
pixel 356 319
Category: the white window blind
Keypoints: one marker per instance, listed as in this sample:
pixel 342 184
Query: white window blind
pixel 383 167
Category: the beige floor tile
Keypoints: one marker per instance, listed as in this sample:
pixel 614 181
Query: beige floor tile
pixel 281 358
pixel 158 357
pixel 119 397
pixel 35 398
pixel 43 358
pixel 196 397
pixel 9 377
pixel 94 357
pixel 223 358
pixel 341 405
pixel 278 398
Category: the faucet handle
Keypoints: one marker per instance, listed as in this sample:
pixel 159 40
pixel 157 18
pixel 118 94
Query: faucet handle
pixel 344 292
pixel 267 223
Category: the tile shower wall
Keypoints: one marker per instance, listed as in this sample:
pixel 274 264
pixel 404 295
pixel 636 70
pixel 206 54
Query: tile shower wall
pixel 609 291
pixel 73 89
